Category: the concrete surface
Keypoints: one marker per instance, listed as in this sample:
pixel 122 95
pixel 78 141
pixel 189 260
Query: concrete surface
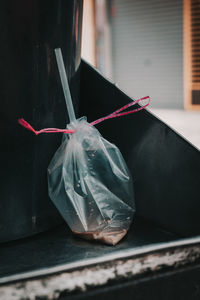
pixel 186 123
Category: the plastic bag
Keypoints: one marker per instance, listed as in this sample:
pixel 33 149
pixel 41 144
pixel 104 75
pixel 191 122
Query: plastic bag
pixel 90 184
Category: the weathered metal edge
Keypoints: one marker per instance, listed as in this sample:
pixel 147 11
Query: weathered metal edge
pixel 193 244
pixel 172 255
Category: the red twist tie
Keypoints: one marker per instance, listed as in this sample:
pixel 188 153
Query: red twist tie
pixel 45 130
pixel 115 114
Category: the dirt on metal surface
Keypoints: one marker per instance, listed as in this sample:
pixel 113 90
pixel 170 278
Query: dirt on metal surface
pixel 51 287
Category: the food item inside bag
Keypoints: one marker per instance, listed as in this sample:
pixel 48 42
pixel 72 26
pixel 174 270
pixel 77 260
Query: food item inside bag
pixel 91 186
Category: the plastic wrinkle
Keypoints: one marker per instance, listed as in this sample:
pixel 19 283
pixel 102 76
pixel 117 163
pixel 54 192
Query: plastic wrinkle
pixel 91 186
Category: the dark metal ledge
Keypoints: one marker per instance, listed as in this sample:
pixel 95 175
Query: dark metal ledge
pixel 55 262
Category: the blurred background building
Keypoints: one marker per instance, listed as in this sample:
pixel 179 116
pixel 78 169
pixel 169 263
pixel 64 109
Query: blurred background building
pixel 150 47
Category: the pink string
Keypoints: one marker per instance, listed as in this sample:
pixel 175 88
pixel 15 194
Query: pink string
pixel 45 130
pixel 115 114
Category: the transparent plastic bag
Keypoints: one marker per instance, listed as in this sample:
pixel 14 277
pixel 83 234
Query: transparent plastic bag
pixel 90 184
pixel 88 179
